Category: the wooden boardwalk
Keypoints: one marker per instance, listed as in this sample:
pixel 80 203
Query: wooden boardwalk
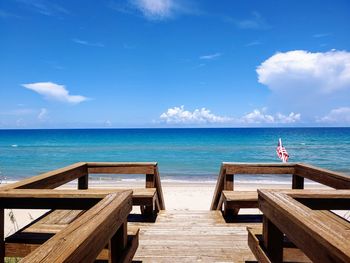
pixel 192 236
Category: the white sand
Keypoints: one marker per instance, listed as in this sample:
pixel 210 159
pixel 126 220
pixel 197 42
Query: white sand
pixel 177 196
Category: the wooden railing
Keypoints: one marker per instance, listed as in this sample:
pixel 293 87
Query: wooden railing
pixel 299 171
pixel 303 217
pixel 105 222
pixel 81 171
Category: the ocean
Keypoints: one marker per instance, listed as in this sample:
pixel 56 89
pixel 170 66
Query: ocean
pixel 182 154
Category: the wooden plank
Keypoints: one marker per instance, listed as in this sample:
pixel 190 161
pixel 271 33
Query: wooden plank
pixel 218 188
pixel 121 168
pixel 259 168
pixel 323 176
pixel 241 199
pixel 51 179
pixel 254 245
pixel 83 239
pixel 51 199
pixel 158 186
pixel 150 181
pixel 229 182
pixel 307 229
pixel 273 241
pixel 2 236
pixel 118 244
pixel 23 249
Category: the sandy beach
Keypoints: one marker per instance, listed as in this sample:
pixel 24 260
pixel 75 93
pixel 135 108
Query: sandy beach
pixel 178 195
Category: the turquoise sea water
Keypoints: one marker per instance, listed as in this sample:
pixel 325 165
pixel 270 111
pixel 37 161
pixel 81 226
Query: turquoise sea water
pixel 184 154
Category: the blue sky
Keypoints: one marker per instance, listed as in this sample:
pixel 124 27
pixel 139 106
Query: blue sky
pixel 167 63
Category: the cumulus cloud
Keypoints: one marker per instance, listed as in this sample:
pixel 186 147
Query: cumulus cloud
pixel 54 91
pixel 259 116
pixel 302 70
pixel 178 115
pixel 210 56
pixel 339 115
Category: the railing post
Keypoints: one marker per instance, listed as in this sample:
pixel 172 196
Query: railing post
pixel 150 182
pixel 229 182
pixel 2 236
pixel 83 181
pixel 273 241
pixel 118 243
pixel 297 182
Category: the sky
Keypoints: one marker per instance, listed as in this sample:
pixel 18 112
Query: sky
pixel 167 63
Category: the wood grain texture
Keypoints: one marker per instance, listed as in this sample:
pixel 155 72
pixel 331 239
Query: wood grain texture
pixel 317 234
pixel 51 179
pixel 83 239
pixel 323 176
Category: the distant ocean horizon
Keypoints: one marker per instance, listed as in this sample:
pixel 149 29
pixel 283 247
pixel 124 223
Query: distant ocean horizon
pixel 186 154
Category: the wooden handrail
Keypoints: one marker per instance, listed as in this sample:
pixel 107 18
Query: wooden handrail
pixel 83 239
pixel 321 235
pixel 81 171
pixel 298 170
pixel 52 179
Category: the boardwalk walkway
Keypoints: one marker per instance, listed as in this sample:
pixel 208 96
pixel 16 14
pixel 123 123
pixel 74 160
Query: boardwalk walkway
pixel 192 236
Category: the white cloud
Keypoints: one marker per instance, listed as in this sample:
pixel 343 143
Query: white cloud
pixel 54 91
pixel 178 115
pixel 255 22
pixel 43 114
pixel 107 123
pixel 87 43
pixel 155 9
pixel 211 56
pixel 339 115
pixel 321 35
pixel 259 116
pixel 301 70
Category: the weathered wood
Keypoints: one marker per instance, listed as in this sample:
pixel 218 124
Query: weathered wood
pixel 150 181
pixel 218 189
pixel 158 186
pixel 297 182
pixel 118 244
pixel 121 168
pixel 299 171
pixel 241 199
pixel 323 176
pixel 229 182
pixel 273 241
pixel 51 199
pixel 290 254
pixel 254 168
pixel 51 179
pixel 24 246
pixel 255 247
pixel 2 236
pixel 315 233
pixel 192 236
pixel 83 239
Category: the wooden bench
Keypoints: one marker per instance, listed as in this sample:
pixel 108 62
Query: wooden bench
pixel 233 201
pixel 98 232
pixel 302 218
pixel 150 198
pixel 230 201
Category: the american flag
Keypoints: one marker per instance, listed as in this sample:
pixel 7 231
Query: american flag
pixel 282 152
